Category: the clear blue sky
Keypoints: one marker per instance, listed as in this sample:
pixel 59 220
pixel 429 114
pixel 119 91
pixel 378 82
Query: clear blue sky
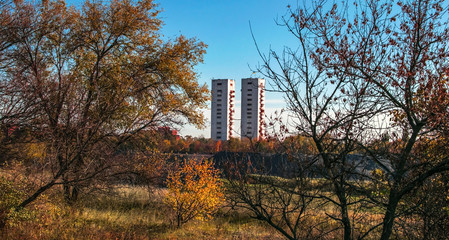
pixel 224 26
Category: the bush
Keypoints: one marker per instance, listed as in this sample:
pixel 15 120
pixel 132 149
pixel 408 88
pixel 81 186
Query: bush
pixel 10 197
pixel 195 190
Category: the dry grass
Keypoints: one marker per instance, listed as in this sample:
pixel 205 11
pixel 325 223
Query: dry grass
pixel 131 212
pixel 127 213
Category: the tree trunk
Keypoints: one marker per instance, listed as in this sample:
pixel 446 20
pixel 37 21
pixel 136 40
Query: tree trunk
pixel 71 193
pixel 344 211
pixel 75 194
pixel 66 192
pixel 35 195
pixel 346 223
pixel 179 221
pixel 388 221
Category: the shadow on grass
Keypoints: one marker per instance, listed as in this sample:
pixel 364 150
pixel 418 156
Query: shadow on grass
pixel 126 217
pixel 233 216
pixel 116 203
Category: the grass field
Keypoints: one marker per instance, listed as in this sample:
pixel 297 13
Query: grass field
pixel 129 212
pixel 134 212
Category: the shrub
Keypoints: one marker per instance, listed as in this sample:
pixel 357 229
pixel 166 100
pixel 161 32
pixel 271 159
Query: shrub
pixel 195 190
pixel 10 197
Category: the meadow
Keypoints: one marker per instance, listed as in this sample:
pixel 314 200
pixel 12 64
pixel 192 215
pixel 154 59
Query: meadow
pixel 128 212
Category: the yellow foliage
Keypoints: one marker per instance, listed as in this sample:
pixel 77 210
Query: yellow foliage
pixel 195 190
pixel 37 151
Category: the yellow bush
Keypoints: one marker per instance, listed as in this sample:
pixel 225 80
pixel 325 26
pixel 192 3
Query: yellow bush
pixel 11 195
pixel 195 190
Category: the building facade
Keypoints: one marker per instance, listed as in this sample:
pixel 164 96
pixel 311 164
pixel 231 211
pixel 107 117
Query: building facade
pixel 222 114
pixel 252 123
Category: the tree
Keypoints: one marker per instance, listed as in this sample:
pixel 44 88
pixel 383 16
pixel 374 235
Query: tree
pixel 92 78
pixel 284 203
pixel 432 204
pixel 194 190
pixel 364 71
pixel 330 110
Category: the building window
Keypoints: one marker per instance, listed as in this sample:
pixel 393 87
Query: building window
pixel 218 105
pixel 249 123
pixel 249 109
pixel 219 91
pixel 249 99
pixel 219 84
pixel 218 137
pixel 218 117
pixel 218 133
pixel 250 90
pixel 219 128
pixel 218 123
pixel 249 104
pixel 249 116
pixel 219 100
pixel 250 94
pixel 250 83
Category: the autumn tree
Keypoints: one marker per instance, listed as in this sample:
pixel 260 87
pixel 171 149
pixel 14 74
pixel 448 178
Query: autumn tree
pixel 400 49
pixel 365 72
pixel 91 78
pixel 194 190
pixel 327 110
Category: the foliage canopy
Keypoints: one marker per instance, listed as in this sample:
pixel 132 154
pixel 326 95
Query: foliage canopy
pixel 83 81
pixel 195 190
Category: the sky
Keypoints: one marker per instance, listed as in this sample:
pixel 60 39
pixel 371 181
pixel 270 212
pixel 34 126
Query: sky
pixel 224 25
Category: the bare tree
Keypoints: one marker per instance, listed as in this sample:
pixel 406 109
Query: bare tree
pixel 368 78
pixel 283 202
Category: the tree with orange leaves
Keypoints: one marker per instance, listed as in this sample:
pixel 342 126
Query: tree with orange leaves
pixel 194 190
pixel 86 80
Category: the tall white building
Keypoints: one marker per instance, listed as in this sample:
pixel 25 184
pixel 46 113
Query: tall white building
pixel 253 108
pixel 223 101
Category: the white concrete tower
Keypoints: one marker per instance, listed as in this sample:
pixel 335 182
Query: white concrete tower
pixel 222 116
pixel 253 108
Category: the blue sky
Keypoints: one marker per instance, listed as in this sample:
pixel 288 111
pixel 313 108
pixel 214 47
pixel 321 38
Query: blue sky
pixel 224 26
